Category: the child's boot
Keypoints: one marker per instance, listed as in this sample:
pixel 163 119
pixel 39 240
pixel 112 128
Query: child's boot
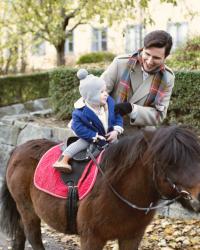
pixel 62 165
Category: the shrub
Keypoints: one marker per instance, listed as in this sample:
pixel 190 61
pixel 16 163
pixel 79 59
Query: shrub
pixel 184 105
pixel 186 57
pixel 22 88
pixel 96 57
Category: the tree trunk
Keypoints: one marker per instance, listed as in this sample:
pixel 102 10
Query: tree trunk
pixel 60 49
pixel 23 58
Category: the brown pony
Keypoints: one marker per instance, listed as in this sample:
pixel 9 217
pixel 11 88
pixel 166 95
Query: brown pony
pixel 138 173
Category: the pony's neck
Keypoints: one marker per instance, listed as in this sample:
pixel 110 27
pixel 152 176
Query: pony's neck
pixel 138 186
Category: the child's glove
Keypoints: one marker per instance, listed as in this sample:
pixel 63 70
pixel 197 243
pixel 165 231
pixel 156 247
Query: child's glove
pixel 123 108
pixel 100 140
pixel 112 136
pixel 100 137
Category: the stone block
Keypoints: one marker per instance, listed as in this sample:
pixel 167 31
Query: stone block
pixel 61 134
pixel 8 134
pixel 34 131
pixel 177 211
pixel 39 104
pixel 12 110
pixel 5 151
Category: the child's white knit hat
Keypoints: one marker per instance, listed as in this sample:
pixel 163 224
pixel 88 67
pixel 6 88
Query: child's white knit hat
pixel 90 86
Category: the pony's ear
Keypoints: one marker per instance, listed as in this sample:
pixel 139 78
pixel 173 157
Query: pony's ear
pixel 148 133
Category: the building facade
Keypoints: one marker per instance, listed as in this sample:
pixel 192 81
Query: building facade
pixel 123 37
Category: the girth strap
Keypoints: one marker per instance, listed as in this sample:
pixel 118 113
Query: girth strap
pixel 72 208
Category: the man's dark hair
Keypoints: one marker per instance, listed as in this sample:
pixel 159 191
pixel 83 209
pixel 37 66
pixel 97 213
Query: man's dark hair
pixel 158 39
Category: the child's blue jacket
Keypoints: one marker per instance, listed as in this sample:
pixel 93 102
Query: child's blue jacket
pixel 86 124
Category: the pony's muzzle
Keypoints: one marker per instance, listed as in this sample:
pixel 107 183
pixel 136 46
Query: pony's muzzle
pixel 195 204
pixel 185 195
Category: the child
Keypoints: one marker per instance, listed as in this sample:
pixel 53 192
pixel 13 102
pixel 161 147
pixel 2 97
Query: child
pixel 93 119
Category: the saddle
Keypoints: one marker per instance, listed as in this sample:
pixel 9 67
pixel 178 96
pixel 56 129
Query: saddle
pixel 79 161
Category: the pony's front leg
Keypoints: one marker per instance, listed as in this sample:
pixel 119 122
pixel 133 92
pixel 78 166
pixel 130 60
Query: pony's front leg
pixel 92 243
pixel 131 244
pixel 128 245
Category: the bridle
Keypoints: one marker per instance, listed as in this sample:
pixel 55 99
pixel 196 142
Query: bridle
pixel 180 192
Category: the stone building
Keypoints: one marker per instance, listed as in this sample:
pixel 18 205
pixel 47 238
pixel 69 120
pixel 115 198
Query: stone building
pixel 180 21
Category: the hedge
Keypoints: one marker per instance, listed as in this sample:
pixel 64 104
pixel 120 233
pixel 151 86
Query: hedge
pixel 63 90
pixel 185 102
pixel 22 88
pixel 62 84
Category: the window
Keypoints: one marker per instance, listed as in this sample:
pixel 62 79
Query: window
pixel 38 48
pixel 99 39
pixel 69 43
pixel 134 38
pixel 179 33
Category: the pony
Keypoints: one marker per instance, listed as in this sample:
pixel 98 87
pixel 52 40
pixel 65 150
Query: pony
pixel 137 173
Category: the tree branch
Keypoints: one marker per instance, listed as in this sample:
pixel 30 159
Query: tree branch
pixel 77 24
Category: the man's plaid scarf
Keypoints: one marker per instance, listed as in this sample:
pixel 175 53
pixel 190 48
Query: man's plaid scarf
pixel 158 85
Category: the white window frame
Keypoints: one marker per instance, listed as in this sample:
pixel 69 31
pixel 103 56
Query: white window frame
pixel 39 48
pixel 98 39
pixel 69 43
pixel 134 37
pixel 179 33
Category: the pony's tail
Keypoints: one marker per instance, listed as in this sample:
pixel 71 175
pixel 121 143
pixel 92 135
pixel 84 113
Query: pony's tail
pixel 9 216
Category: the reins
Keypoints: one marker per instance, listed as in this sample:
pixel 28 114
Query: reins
pixel 167 202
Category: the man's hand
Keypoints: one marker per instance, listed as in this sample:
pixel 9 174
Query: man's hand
pixel 123 108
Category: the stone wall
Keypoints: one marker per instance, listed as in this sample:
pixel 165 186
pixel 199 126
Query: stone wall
pixel 22 122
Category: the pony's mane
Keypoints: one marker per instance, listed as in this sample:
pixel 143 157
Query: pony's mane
pixel 123 155
pixel 176 150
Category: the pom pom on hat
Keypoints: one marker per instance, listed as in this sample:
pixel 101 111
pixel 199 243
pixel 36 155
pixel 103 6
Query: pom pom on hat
pixel 82 74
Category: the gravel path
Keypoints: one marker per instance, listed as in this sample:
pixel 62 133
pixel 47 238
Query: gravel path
pixel 161 234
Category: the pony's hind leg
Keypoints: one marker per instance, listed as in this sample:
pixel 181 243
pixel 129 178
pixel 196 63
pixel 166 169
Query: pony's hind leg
pixel 30 223
pixel 32 228
pixel 18 242
pixel 10 220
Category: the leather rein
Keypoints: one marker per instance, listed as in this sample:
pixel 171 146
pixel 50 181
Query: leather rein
pixel 181 193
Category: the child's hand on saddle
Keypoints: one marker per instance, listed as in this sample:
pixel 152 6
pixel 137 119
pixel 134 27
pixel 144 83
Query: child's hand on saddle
pixel 112 136
pixel 100 137
pixel 101 141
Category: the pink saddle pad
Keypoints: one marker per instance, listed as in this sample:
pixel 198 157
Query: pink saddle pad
pixel 48 179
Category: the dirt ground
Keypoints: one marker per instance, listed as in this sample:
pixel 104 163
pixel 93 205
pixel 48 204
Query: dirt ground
pixel 162 234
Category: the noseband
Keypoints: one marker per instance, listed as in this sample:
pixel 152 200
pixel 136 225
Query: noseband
pixel 181 193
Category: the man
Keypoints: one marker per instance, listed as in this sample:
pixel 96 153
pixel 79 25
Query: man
pixel 141 83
